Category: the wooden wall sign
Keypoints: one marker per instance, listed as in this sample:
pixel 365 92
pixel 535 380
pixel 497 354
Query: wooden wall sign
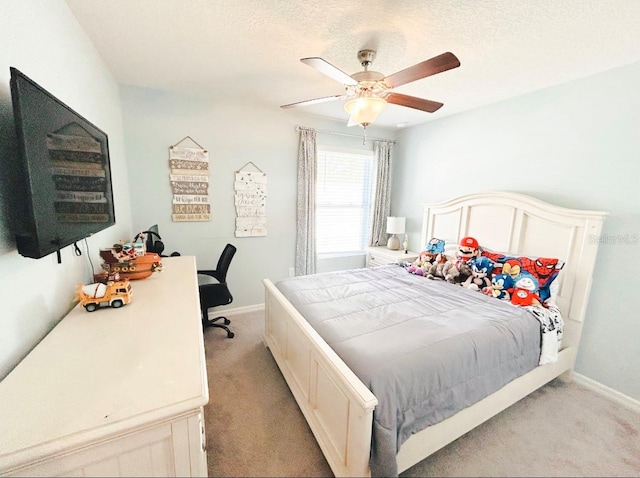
pixel 189 179
pixel 250 202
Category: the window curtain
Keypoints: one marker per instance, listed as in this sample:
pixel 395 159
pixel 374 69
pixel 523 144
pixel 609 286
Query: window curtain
pixel 305 262
pixel 382 199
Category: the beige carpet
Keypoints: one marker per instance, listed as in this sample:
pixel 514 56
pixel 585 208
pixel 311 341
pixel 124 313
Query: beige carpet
pixel 254 427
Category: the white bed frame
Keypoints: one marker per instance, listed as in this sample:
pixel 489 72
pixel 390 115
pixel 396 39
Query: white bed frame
pixel 339 407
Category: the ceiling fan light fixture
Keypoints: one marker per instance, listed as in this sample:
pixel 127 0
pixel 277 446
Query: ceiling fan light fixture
pixel 365 109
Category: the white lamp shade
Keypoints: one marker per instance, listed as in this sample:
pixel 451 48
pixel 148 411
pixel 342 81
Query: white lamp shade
pixel 364 110
pixel 395 225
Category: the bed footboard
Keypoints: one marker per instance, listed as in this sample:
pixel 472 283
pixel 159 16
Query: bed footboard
pixel 336 404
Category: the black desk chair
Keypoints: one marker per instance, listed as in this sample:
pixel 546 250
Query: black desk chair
pixel 212 285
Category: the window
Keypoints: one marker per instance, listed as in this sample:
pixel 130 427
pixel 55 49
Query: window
pixel 344 198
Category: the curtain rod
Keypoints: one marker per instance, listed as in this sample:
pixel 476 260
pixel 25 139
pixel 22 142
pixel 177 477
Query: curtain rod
pixel 298 128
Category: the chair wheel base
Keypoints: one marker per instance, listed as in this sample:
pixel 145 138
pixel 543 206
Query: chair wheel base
pixel 212 323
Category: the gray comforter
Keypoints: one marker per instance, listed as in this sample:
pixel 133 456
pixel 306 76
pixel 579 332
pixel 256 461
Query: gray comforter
pixel 426 349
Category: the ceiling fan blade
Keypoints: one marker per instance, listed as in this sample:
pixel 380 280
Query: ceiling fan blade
pixel 328 69
pixel 437 64
pixel 414 102
pixel 314 101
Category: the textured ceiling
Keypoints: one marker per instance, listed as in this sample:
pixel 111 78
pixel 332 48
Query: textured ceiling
pixel 251 48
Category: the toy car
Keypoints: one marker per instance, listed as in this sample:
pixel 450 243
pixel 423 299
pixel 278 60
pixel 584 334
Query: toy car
pixel 113 294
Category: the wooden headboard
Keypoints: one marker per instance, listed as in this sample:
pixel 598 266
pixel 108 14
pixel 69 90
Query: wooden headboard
pixel 520 224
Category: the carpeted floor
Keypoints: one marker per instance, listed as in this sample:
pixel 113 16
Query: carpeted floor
pixel 254 427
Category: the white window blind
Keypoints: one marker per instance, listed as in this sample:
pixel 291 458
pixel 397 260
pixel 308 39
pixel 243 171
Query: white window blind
pixel 344 189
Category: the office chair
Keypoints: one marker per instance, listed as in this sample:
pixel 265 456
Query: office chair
pixel 212 286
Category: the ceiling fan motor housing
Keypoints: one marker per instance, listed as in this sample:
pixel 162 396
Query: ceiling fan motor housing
pixel 366 57
pixel 368 79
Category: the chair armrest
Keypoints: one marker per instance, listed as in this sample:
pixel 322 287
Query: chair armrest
pixel 209 272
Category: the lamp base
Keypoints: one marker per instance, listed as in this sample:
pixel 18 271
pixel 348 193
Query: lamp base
pixel 393 243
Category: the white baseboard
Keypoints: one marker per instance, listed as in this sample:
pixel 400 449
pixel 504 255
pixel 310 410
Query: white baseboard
pixel 242 310
pixel 614 395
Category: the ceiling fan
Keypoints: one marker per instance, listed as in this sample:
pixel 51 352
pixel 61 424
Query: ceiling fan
pixel 368 92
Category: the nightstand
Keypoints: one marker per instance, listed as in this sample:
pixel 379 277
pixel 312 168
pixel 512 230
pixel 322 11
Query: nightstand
pixel 381 255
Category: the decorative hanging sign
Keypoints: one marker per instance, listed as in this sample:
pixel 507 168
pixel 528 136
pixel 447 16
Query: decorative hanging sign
pixel 250 202
pixel 189 179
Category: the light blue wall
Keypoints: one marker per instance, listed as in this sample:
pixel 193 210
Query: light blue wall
pixel 43 40
pixel 234 132
pixel 576 145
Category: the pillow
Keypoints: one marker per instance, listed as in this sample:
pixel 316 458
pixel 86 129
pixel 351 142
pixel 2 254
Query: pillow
pixel 544 269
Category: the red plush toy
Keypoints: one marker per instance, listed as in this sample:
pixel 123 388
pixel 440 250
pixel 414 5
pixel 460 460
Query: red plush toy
pixel 524 297
pixel 468 248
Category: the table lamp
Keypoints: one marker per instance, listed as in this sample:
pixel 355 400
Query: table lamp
pixel 395 225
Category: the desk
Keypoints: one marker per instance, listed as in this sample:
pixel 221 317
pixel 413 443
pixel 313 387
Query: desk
pixel 115 392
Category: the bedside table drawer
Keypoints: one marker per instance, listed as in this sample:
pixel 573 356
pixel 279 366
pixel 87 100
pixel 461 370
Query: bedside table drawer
pixel 373 261
pixel 379 256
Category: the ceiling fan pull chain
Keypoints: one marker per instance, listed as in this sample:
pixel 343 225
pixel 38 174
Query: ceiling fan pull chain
pixel 364 137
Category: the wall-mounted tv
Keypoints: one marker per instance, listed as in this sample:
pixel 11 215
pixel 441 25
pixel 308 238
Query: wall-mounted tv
pixel 67 176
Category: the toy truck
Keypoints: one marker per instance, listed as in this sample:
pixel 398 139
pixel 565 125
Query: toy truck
pixel 113 294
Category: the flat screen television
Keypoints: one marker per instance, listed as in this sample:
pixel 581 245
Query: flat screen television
pixel 67 177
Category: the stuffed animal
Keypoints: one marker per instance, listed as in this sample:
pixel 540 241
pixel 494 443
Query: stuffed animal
pixel 436 270
pixel 513 267
pixel 415 265
pixel 458 271
pixel 526 281
pixel 468 248
pixel 501 287
pixel 422 264
pixel 435 246
pixel 524 298
pixel 451 270
pixel 463 272
pixel 480 277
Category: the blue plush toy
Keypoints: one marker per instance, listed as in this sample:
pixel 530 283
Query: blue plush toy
pixel 435 246
pixel 501 286
pixel 480 278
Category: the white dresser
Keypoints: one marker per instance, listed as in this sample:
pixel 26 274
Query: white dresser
pixel 115 392
pixel 381 255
